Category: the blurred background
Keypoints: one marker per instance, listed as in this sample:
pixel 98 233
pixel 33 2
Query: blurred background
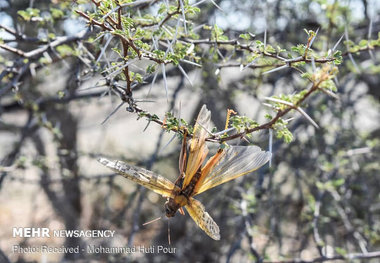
pixel 319 199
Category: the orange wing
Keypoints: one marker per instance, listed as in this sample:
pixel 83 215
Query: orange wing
pixel 231 164
pixel 198 148
pixel 144 177
pixel 202 218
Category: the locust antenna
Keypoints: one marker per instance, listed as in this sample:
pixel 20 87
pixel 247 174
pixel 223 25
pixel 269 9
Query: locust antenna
pixel 152 221
pixel 169 231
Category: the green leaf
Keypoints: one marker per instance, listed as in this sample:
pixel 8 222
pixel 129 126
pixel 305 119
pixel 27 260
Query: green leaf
pixel 329 85
pixel 162 9
pixel 320 185
pixel 29 13
pixel 270 49
pixel 61 94
pixel 136 76
pixel 56 13
pixel 65 50
pixel 341 251
pixel 245 36
pixel 282 132
pixel 363 43
pixel 338 57
pixel 338 182
pixel 307 75
pixel 217 34
pixel 241 123
pixel 300 49
pixel 192 10
pixel 268 116
pixel 151 68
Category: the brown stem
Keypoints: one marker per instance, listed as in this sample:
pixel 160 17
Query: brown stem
pixel 268 125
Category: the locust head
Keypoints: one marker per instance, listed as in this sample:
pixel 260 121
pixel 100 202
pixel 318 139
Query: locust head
pixel 171 207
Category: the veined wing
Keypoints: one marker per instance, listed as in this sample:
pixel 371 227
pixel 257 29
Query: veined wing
pixel 207 168
pixel 202 218
pixel 235 162
pixel 198 149
pixel 144 177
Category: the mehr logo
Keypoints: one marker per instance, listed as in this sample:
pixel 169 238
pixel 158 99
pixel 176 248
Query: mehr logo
pixel 31 232
pixel 45 232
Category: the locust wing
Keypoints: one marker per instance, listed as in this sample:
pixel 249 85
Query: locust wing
pixel 233 162
pixel 202 218
pixel 198 149
pixel 143 177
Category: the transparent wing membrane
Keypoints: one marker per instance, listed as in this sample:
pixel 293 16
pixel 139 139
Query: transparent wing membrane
pixel 143 177
pixel 236 161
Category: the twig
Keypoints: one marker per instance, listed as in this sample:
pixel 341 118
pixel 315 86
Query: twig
pixel 269 124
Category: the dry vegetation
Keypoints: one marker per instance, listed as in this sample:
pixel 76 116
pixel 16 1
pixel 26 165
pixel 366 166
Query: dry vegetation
pixel 124 79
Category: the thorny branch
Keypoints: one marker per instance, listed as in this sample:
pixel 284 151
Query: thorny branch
pixel 284 62
pixel 17 72
pixel 111 25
